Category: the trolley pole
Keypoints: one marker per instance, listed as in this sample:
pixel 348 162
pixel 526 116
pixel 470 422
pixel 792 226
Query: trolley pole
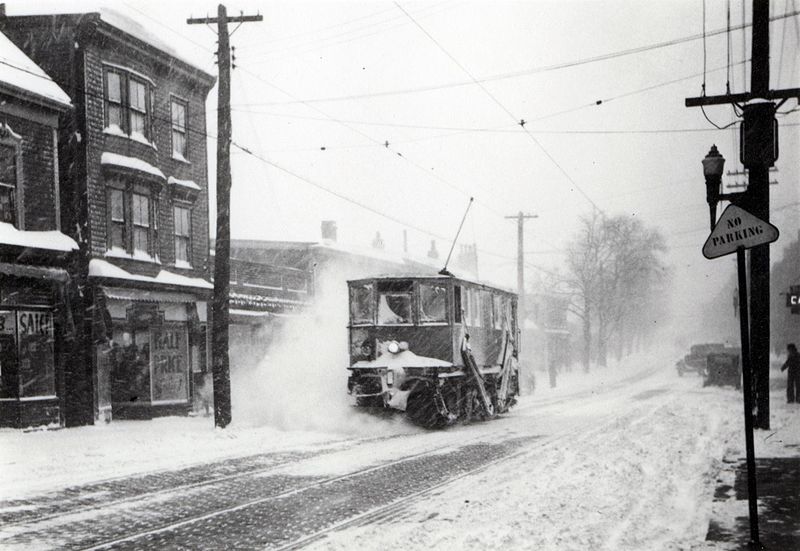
pixel 220 360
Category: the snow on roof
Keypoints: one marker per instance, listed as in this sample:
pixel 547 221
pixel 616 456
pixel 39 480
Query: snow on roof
pixel 145 34
pixel 102 268
pixel 184 183
pixel 19 71
pixel 51 240
pixel 115 159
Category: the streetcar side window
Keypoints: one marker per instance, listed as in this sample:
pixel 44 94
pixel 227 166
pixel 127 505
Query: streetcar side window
pixel 395 302
pixel 362 308
pixel 432 303
pixel 457 303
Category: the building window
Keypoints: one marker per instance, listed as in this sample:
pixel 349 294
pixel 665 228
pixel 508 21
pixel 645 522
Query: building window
pixel 138 106
pixel 179 142
pixel 116 199
pixel 8 183
pixel 114 100
pixel 127 104
pixel 141 223
pixel 183 233
pixel 132 227
pixel 27 354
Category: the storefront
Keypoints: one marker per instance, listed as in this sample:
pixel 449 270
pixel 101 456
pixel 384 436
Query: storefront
pixel 34 331
pixel 152 357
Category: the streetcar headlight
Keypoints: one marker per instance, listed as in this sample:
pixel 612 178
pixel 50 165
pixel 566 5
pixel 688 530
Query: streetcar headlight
pixel 393 347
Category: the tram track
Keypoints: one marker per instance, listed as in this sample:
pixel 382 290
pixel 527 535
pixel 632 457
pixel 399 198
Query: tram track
pixel 578 431
pixel 381 513
pixel 335 447
pixel 289 493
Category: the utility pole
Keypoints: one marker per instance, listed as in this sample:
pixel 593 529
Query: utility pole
pixel 758 152
pixel 521 312
pixel 520 218
pixel 220 361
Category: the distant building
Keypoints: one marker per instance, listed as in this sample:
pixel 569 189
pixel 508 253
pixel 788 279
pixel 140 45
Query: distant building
pixel 133 167
pixel 36 329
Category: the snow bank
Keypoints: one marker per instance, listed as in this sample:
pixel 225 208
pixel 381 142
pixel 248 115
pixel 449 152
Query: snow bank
pixel 115 159
pixel 46 460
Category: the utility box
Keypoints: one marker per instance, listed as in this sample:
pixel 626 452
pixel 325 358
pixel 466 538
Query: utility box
pixel 723 368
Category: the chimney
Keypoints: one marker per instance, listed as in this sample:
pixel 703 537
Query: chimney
pixel 328 228
pixel 433 253
pixel 377 243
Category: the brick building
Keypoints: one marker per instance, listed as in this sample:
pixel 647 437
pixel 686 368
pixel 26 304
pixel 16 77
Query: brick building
pixel 36 333
pixel 134 195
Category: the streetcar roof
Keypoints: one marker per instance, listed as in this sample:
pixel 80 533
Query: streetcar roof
pixel 439 277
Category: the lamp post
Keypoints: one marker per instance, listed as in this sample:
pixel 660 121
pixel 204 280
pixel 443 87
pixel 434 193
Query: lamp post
pixel 713 163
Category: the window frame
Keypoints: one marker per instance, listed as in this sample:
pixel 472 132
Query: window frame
pixel 188 236
pixel 129 226
pixel 127 78
pixel 9 139
pixel 183 102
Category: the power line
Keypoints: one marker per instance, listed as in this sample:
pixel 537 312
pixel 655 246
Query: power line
pixel 527 72
pixel 503 107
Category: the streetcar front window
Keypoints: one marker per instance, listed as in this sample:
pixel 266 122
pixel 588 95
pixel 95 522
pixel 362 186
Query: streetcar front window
pixel 362 308
pixel 395 302
pixel 432 303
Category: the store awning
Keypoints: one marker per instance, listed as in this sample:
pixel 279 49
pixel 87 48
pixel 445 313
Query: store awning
pixel 34 272
pixel 140 295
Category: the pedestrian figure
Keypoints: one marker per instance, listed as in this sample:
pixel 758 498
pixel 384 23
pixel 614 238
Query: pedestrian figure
pixel 792 363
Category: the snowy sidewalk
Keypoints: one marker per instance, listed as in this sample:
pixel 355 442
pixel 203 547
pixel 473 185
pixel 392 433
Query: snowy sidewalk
pixel 777 453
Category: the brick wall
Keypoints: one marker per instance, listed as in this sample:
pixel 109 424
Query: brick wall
pixel 166 84
pixel 38 171
pixel 50 41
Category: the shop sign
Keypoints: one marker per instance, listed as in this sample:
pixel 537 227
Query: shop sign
pixel 36 353
pixel 169 364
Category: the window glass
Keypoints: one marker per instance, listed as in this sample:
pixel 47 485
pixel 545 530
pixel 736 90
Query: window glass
pixel 361 305
pixel 394 307
pixel 36 353
pixel 114 97
pixel 182 216
pixel 8 184
pixel 476 303
pixel 117 207
pixel 179 128
pixel 432 302
pixel 141 223
pixel 114 87
pixel 138 105
pixel 9 376
pixel 457 303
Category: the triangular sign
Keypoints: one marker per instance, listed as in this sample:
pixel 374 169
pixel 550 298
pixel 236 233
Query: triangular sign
pixel 737 228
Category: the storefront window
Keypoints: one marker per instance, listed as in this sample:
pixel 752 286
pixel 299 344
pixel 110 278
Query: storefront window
pixel 169 365
pixel 9 380
pixel 36 353
pixel 361 305
pixel 432 303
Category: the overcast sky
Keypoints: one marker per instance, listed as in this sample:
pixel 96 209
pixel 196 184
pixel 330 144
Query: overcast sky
pixel 349 76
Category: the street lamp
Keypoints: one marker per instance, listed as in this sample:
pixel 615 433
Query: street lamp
pixel 713 163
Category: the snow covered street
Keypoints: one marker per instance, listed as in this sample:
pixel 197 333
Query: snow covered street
pixel 626 458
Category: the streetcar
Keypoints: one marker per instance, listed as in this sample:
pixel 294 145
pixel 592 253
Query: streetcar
pixel 439 348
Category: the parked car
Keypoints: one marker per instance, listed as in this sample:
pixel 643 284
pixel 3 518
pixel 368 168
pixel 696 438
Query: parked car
pixel 696 359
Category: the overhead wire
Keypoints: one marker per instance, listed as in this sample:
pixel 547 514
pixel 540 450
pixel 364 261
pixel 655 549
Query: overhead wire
pixel 503 107
pixel 533 70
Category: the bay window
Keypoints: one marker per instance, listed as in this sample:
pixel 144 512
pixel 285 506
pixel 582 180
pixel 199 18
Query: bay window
pixel 127 104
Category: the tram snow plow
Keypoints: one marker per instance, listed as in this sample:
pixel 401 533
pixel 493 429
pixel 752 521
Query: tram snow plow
pixel 439 348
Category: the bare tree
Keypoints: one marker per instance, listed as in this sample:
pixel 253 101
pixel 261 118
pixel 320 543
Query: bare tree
pixel 614 268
